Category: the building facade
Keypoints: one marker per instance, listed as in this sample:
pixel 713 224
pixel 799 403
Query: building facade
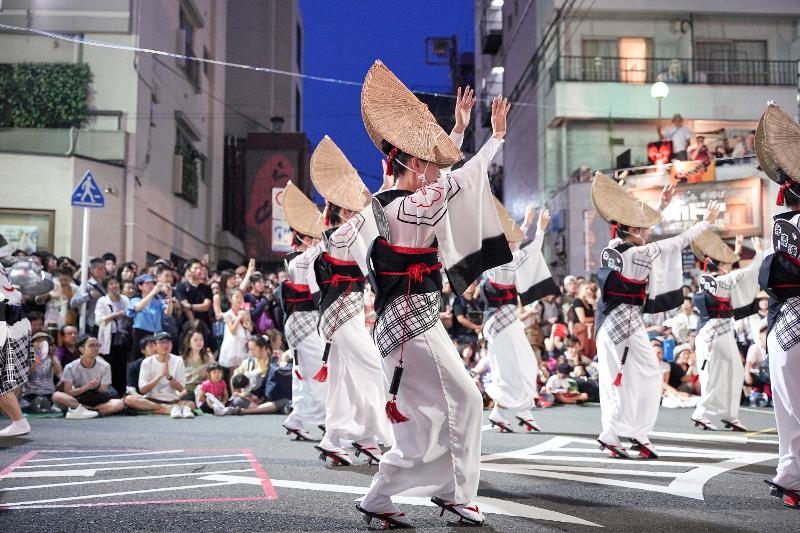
pixel 152 130
pixel 581 77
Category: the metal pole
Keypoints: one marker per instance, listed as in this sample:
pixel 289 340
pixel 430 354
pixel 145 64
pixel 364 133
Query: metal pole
pixel 659 110
pixel 84 265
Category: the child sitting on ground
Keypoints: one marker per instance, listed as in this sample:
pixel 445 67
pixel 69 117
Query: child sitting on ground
pixel 213 394
pixel 564 388
pixel 38 390
pixel 245 402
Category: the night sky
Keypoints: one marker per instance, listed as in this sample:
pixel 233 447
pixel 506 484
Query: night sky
pixel 343 39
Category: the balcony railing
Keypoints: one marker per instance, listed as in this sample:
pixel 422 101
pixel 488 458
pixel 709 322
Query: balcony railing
pixel 672 70
pixel 491 29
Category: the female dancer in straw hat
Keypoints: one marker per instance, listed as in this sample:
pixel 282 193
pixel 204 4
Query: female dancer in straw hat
pixel 635 277
pixel 778 146
pixel 351 363
pixel 426 223
pixel 513 362
pixel 728 295
pixel 301 315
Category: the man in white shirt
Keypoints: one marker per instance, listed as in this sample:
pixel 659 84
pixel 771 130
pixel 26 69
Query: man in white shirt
pixel 679 135
pixel 162 381
pixel 684 322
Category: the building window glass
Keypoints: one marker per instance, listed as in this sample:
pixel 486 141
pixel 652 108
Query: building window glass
pixel 298 108
pixel 299 50
pixel 732 62
pixel 186 48
pixel 633 59
pixel 186 178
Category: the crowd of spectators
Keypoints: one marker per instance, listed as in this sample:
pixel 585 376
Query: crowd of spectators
pixel 190 340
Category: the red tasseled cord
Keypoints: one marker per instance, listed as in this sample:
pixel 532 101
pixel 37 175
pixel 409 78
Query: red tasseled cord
pixel 389 159
pixel 297 373
pixel 618 379
pixel 393 413
pixel 780 199
pixel 322 375
pixel 614 228
pixel 705 265
pixel 327 217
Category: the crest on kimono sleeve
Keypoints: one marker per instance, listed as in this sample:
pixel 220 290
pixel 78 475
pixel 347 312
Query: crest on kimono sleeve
pixel 786 238
pixel 380 219
pixel 706 283
pixel 611 259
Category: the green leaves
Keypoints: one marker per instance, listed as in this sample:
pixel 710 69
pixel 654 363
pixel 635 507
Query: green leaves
pixel 44 95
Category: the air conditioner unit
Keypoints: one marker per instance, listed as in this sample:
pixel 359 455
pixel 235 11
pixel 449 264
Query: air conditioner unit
pixel 177 174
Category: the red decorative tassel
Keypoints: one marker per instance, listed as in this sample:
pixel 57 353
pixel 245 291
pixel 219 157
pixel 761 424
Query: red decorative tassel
pixel 618 379
pixel 614 228
pixel 327 217
pixel 392 155
pixel 322 375
pixel 780 199
pixel 705 265
pixel 297 373
pixel 393 413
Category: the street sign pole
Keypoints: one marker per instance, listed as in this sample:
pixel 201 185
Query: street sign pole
pixel 84 265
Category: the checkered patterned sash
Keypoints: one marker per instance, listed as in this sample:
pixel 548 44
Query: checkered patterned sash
pixel 787 324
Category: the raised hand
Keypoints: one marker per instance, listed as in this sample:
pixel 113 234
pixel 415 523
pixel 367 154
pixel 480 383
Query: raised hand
pixel 530 216
pixel 500 108
pixel 666 194
pixel 758 244
pixel 465 101
pixel 544 220
pixel 737 248
pixel 712 212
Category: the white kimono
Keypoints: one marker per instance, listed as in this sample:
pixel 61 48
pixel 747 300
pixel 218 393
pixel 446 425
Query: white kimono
pixel 437 450
pixel 783 349
pixel 356 393
pixel 718 359
pixel 630 409
pixel 513 363
pixel 15 353
pixel 308 395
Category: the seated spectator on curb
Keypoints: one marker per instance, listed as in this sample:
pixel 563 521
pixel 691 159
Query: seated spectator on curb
pixel 86 384
pixel 212 395
pixel 147 347
pixel 573 353
pixel 564 388
pixel 38 391
pixel 256 366
pixel 162 381
pixel 682 374
pixel 68 351
pixel 196 358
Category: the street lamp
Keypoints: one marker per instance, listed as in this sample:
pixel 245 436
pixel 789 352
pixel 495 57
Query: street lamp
pixel 659 90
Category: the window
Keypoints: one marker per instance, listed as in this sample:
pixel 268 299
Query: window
pixel 299 50
pixel 298 109
pixel 633 59
pixel 624 59
pixel 186 177
pixel 186 46
pixel 28 229
pixel 731 62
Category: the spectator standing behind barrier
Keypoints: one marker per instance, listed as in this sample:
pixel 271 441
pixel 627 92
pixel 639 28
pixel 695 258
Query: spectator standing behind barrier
pixel 57 308
pixel 86 384
pixel 679 135
pixel 89 292
pixel 146 309
pixel 195 296
pixel 237 330
pixel 261 304
pixel 110 315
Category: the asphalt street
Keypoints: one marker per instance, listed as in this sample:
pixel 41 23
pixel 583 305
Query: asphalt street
pixel 151 473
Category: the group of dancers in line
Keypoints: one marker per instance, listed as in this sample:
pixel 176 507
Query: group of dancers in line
pixel 428 221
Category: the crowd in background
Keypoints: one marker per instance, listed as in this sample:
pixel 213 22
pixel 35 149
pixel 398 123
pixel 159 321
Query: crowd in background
pixel 185 339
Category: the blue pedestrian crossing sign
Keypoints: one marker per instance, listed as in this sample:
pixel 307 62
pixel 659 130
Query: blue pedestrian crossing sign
pixel 87 193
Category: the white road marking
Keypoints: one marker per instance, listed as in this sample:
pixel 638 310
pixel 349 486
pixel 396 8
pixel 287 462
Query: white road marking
pixel 487 505
pixel 102 456
pixel 140 460
pixel 66 473
pixel 119 480
pixel 245 480
pixel 688 483
pixel 736 439
pixel 758 411
pixel 50 473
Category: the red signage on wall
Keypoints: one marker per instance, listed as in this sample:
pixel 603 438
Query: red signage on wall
pixel 659 152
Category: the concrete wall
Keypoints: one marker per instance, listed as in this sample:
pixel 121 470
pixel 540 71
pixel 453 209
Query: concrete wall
pixel 56 177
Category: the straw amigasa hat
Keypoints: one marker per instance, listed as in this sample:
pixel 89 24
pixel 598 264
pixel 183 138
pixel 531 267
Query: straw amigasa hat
pixel 709 245
pixel 392 113
pixel 617 206
pixel 336 179
pixel 301 213
pixel 778 148
pixel 511 229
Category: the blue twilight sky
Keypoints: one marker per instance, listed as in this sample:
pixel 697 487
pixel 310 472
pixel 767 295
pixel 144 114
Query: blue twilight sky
pixel 344 38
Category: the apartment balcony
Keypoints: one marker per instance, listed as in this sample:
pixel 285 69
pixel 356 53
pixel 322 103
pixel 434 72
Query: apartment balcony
pixel 491 29
pixel 108 146
pixel 676 71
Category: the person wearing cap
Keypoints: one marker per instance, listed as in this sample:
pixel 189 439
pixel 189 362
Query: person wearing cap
pixel 427 222
pixel 301 314
pixel 777 145
pixel 526 278
pixel 351 363
pixel 37 393
pixel 15 354
pixel 635 277
pixel 146 309
pixel 678 135
pixel 725 294
pixel 85 383
pixel 162 380
pixel 88 293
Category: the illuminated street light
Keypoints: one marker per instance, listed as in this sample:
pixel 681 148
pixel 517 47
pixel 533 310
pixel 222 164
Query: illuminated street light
pixel 659 90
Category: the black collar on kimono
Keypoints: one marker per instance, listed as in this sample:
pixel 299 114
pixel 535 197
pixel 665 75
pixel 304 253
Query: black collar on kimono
pixel 788 215
pixel 387 197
